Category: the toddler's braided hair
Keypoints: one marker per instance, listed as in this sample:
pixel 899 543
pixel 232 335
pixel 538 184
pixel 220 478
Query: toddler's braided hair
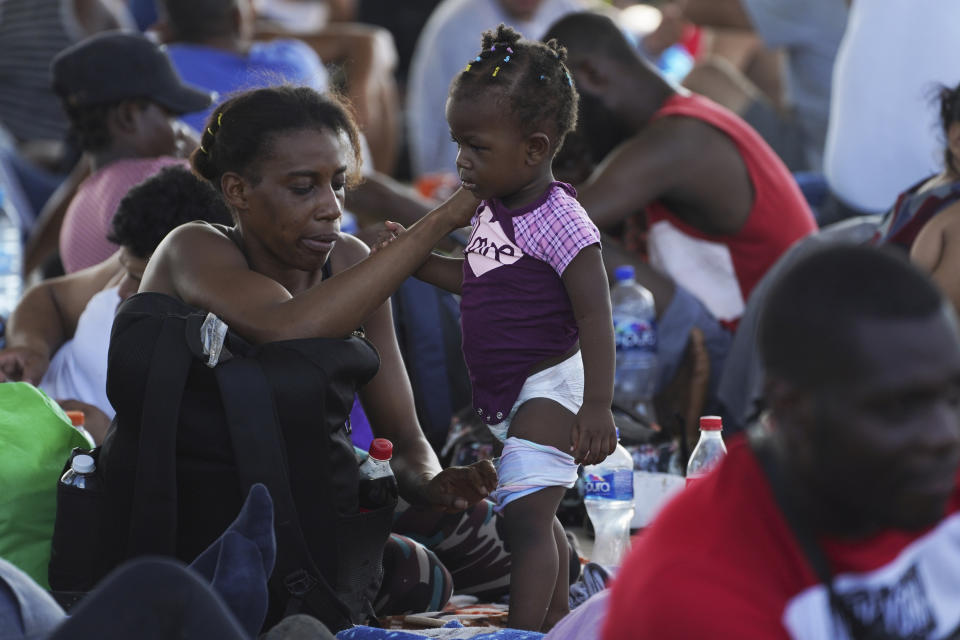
pixel 530 75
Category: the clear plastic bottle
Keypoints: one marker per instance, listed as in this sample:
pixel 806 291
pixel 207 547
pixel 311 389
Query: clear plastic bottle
pixel 609 502
pixel 635 332
pixel 11 257
pixel 709 451
pixel 81 473
pixel 78 419
pixel 378 486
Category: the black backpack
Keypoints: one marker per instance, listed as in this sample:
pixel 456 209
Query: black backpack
pixel 189 440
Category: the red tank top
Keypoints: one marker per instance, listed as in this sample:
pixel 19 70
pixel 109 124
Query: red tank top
pixel 721 270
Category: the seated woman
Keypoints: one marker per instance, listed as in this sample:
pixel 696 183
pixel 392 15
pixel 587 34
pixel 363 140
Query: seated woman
pixel 930 197
pixel 282 159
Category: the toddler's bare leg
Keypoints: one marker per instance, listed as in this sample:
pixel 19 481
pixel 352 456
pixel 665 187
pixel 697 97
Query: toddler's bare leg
pixel 535 560
pixel 560 601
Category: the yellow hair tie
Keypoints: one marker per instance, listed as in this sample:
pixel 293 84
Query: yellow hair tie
pixel 209 131
pixel 202 149
pixel 219 118
pixel 495 72
pixel 467 68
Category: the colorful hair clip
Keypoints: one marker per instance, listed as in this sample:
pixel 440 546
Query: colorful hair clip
pixel 495 72
pixel 477 59
pixel 543 77
pixel 509 50
pixel 507 59
pixel 467 68
pixel 569 79
pixel 493 47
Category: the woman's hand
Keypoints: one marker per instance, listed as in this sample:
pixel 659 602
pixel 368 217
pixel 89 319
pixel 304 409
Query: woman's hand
pixel 457 488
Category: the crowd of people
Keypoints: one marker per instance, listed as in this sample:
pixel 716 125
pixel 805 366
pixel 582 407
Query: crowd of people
pixel 220 203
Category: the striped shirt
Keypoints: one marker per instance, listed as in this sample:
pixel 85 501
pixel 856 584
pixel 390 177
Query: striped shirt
pixel 32 32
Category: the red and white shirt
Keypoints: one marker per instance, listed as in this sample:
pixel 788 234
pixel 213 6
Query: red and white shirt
pixel 721 562
pixel 722 270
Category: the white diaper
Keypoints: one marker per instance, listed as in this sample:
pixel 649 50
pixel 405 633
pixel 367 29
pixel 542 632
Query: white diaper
pixel 562 383
pixel 525 467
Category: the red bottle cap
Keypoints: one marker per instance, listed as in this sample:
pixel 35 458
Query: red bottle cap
pixel 76 418
pixel 381 449
pixel 711 423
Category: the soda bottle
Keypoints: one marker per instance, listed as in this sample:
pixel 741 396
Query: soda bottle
pixel 81 473
pixel 709 450
pixel 609 501
pixel 11 257
pixel 378 486
pixel 635 332
pixel 78 420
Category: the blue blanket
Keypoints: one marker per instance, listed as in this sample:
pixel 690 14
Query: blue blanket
pixel 453 630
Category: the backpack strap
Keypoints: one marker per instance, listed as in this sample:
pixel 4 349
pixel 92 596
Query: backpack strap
pixel 258 450
pixel 153 527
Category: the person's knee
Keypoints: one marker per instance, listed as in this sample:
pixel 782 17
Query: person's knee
pixel 530 519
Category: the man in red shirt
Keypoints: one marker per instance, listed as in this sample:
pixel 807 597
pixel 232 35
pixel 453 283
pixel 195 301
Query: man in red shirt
pixel 720 207
pixel 840 516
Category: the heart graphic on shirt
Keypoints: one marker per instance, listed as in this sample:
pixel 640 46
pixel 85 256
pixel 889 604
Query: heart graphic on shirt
pixel 489 246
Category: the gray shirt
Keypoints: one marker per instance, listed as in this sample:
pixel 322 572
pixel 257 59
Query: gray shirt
pixel 809 32
pixel 449 40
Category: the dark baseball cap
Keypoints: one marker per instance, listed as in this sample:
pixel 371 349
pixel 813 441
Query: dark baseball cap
pixel 115 66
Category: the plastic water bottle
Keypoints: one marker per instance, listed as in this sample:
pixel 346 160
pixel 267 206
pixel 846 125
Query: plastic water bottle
pixel 378 486
pixel 709 451
pixel 79 420
pixel 11 258
pixel 635 331
pixel 81 473
pixel 609 502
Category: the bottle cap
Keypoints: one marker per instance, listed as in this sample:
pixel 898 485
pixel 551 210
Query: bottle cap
pixel 381 449
pixel 711 423
pixel 624 272
pixel 77 418
pixel 82 463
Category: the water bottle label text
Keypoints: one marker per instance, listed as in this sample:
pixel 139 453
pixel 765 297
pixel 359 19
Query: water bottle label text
pixel 616 485
pixel 634 334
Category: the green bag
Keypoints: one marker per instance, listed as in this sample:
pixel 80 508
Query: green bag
pixel 36 439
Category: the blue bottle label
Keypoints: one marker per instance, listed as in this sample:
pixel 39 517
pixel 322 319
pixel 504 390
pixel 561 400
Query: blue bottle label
pixel 635 334
pixel 616 485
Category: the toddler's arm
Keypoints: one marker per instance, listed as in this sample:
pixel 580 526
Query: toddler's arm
pixel 594 434
pixel 440 271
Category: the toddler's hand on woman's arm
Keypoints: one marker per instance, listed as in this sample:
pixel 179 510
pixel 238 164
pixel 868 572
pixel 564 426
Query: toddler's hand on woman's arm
pixel 390 232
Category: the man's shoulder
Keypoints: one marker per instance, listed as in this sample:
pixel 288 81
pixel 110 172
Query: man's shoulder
pixel 283 52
